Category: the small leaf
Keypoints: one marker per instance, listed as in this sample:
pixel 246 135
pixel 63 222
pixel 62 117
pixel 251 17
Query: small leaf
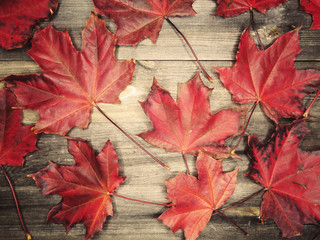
pixel 269 77
pixel 72 82
pixel 188 125
pixel 290 176
pixel 85 187
pixel 194 200
pixel 140 19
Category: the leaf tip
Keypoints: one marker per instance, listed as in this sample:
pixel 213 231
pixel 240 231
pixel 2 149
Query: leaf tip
pixel 28 234
pixel 154 84
pixel 30 175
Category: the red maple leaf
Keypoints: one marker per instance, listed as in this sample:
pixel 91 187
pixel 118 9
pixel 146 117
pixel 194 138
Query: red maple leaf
pixel 312 7
pixel 15 140
pixel 188 125
pixel 269 77
pixel 290 177
pixel 85 187
pixel 72 82
pixel 194 200
pixel 17 18
pixel 230 8
pixel 140 19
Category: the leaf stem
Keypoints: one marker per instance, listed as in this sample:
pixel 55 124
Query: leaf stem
pixel 240 203
pixel 16 202
pixel 306 113
pixel 255 28
pixel 141 201
pixel 185 161
pixel 131 138
pixel 245 128
pixel 75 139
pixel 190 47
pixel 236 225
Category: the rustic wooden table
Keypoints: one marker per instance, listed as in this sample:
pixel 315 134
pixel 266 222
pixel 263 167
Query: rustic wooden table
pixel 215 40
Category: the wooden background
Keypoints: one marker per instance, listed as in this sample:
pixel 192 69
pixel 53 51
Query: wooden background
pixel 215 40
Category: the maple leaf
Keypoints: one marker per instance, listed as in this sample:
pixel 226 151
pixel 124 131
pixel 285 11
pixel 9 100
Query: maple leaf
pixel 16 140
pixel 140 19
pixel 290 177
pixel 231 8
pixel 85 187
pixel 269 77
pixel 17 18
pixel 72 82
pixel 312 7
pixel 188 125
pixel 194 200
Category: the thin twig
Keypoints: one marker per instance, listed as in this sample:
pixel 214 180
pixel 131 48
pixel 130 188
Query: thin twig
pixel 245 128
pixel 75 138
pixel 306 113
pixel 236 225
pixel 240 203
pixel 185 161
pixel 131 138
pixel 16 202
pixel 255 28
pixel 141 201
pixel 190 47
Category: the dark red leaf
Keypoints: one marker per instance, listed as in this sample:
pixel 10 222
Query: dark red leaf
pixel 230 8
pixel 290 177
pixel 194 200
pixel 15 140
pixel 72 82
pixel 270 77
pixel 140 19
pixel 188 125
pixel 17 17
pixel 85 187
pixel 312 7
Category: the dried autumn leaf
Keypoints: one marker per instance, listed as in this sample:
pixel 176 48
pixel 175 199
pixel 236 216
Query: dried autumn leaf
pixel 188 125
pixel 290 177
pixel 85 187
pixel 140 19
pixel 312 7
pixel 16 140
pixel 270 77
pixel 17 17
pixel 72 82
pixel 194 200
pixel 230 8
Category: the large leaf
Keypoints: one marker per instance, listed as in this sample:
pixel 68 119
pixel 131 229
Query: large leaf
pixel 230 8
pixel 270 77
pixel 17 18
pixel 290 177
pixel 312 7
pixel 72 82
pixel 194 200
pixel 85 187
pixel 15 140
pixel 140 19
pixel 188 125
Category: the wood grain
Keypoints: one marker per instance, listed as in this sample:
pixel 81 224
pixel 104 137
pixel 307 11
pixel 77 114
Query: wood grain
pixel 215 40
